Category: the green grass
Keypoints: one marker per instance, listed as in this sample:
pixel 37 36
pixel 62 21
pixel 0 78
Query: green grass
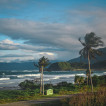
pixel 7 96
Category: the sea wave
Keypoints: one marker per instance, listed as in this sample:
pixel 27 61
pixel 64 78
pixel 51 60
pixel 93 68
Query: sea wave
pixel 55 77
pixel 7 83
pixel 4 78
pixel 27 75
pixel 80 74
pixel 25 71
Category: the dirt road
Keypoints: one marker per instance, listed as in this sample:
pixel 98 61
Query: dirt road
pixel 40 101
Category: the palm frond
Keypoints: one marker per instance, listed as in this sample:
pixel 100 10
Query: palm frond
pixel 43 61
pixel 82 42
pixel 36 65
pixel 91 41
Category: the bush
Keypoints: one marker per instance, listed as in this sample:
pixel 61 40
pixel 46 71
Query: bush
pixel 28 84
pixel 48 86
pixel 62 84
pixel 99 80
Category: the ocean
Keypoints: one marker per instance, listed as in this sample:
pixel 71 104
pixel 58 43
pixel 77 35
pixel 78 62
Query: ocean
pixel 14 77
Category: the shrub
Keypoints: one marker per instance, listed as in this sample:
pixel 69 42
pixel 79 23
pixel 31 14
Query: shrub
pixel 28 84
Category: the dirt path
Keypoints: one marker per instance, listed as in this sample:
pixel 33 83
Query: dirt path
pixel 40 101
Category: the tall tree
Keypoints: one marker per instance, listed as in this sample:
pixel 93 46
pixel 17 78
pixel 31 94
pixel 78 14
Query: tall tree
pixel 43 62
pixel 91 41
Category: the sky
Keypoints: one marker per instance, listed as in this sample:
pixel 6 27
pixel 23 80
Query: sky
pixel 30 29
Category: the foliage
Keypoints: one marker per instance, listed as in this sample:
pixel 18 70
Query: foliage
pixel 59 66
pixel 99 80
pixel 85 99
pixel 90 42
pixel 89 99
pixel 76 65
pixel 28 84
pixel 79 80
pixel 43 61
pixel 60 89
pixel 17 95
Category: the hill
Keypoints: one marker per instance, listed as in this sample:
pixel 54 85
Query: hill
pixel 98 58
pixel 17 66
pixel 99 65
pixel 60 66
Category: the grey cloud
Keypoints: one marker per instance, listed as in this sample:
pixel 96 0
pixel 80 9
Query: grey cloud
pixel 42 33
pixel 14 55
pixel 10 45
pixel 7 47
pixel 62 39
pixel 54 35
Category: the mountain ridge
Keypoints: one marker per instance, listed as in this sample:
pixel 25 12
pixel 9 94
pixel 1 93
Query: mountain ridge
pixel 98 58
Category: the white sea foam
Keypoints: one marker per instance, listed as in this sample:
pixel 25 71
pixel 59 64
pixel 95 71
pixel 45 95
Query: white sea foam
pixel 7 83
pixel 55 77
pixel 28 75
pixel 4 78
pixel 49 77
pixel 80 74
pixel 27 71
pixel 60 71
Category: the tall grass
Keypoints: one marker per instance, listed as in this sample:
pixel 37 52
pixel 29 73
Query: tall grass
pixel 85 99
pixel 88 99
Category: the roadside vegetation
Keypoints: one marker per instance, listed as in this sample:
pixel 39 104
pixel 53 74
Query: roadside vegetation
pixel 85 99
pixel 31 91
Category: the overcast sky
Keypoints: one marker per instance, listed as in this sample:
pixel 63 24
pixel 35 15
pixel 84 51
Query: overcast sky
pixel 30 29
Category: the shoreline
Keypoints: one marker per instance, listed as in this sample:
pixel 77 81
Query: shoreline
pixel 91 69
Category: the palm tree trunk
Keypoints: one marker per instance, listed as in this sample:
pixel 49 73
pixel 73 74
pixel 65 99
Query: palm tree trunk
pixel 42 81
pixel 90 72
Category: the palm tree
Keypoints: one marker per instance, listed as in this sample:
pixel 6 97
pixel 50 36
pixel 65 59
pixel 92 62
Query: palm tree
pixel 43 62
pixel 90 42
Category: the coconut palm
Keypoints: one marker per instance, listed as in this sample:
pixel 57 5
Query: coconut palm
pixel 90 42
pixel 43 62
